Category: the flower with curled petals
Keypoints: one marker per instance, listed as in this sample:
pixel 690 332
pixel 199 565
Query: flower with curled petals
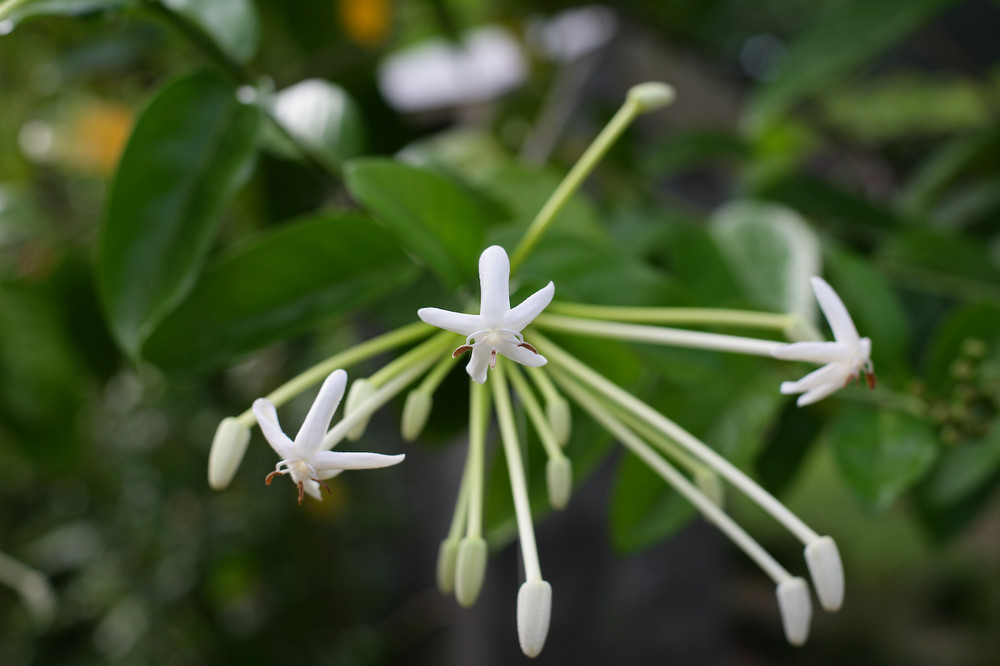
pixel 845 359
pixel 497 328
pixel 304 458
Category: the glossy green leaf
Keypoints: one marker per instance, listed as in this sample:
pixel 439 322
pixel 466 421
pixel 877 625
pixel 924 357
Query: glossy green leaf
pixel 232 24
pixel 881 454
pixel 322 117
pixel 432 217
pixel 279 285
pixel 772 252
pixel 191 149
pixel 838 41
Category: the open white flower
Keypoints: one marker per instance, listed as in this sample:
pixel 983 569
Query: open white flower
pixel 303 458
pixel 847 358
pixel 497 328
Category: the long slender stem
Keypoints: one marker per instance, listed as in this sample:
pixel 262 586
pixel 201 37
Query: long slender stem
pixel 8 7
pixel 393 368
pixel 515 468
pixel 355 354
pixel 670 474
pixel 479 416
pixel 657 335
pixel 693 316
pixel 621 120
pixel 530 402
pixel 729 471
pixel 543 383
pixel 667 446
pixel 437 375
pixel 459 517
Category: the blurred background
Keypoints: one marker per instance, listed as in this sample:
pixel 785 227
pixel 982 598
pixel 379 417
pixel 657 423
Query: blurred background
pixel 877 122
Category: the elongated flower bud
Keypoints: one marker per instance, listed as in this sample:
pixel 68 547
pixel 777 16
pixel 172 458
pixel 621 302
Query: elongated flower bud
pixel 827 572
pixel 534 609
pixel 796 609
pixel 228 447
pixel 470 570
pixel 416 409
pixel 360 391
pixel 447 558
pixel 559 474
pixel 651 96
pixel 560 419
pixel 709 483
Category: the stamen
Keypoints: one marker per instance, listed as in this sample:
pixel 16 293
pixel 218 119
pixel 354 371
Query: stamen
pixel 302 492
pixel 461 350
pixel 528 347
pixel 870 380
pixel 493 359
pixel 325 487
pixel 270 477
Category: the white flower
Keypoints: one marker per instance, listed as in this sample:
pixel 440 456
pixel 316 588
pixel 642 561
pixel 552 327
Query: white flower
pixel 846 359
pixel 497 327
pixel 303 458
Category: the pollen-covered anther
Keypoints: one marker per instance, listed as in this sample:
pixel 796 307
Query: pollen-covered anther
pixel 870 380
pixel 528 347
pixel 302 492
pixel 324 486
pixel 461 350
pixel 270 477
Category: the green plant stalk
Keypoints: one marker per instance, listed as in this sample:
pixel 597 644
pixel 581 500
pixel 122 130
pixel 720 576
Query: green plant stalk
pixel 534 409
pixel 436 375
pixel 429 347
pixel 7 8
pixel 479 416
pixel 458 518
pixel 544 384
pixel 769 321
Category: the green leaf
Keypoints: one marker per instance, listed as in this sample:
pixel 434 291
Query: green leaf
pixel 838 41
pixel 971 323
pixel 322 117
pixel 71 8
pixel 944 262
pixel 772 252
pixel 644 508
pixel 827 203
pixel 881 454
pixel 963 469
pixel 433 218
pixel 279 285
pixel 696 148
pixel 970 154
pixel 191 149
pixel 232 24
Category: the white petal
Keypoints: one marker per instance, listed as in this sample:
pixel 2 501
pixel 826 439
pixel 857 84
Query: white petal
pixel 828 373
pixel 814 352
pixel 324 474
pixel 523 355
pixel 479 364
pixel 267 417
pixel 312 489
pixel 835 312
pixel 324 461
pixel 529 308
pixel 494 281
pixel 463 324
pixel 318 419
pixel 818 393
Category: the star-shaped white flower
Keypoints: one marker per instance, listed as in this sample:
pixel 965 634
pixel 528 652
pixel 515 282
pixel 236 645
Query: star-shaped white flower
pixel 847 358
pixel 497 328
pixel 303 458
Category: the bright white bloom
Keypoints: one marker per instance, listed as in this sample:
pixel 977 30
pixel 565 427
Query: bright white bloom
pixel 497 327
pixel 303 458
pixel 846 359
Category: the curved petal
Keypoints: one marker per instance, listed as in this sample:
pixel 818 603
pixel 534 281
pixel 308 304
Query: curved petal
pixel 312 489
pixel 832 373
pixel 814 352
pixel 321 413
pixel 818 393
pixel 463 324
pixel 494 282
pixel 835 312
pixel 324 474
pixel 478 364
pixel 267 417
pixel 523 356
pixel 325 461
pixel 529 308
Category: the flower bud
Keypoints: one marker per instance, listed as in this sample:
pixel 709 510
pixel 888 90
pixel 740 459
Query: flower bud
pixel 228 447
pixel 560 419
pixel 827 572
pixel 711 485
pixel 416 409
pixel 360 391
pixel 470 570
pixel 534 608
pixel 651 95
pixel 559 474
pixel 796 609
pixel 447 556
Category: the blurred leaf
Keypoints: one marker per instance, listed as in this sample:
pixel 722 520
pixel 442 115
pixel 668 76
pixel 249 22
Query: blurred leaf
pixel 772 252
pixel 697 148
pixel 791 440
pixel 874 306
pixel 975 152
pixel 191 149
pixel 645 509
pixel 974 322
pixel 322 117
pixel 824 202
pixel 944 262
pixel 431 216
pixel 962 470
pixel 971 202
pixel 839 40
pixel 232 24
pixel 73 8
pixel 279 285
pixel 880 454
pixel 750 410
pixel 700 268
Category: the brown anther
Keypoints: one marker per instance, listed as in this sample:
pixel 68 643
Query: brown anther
pixel 493 359
pixel 870 379
pixel 461 350
pixel 325 487
pixel 302 492
pixel 270 477
pixel 528 347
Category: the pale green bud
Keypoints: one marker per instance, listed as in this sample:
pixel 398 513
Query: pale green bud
pixel 416 409
pixel 226 454
pixel 559 474
pixel 534 609
pixel 796 609
pixel 360 391
pixel 470 570
pixel 447 557
pixel 711 485
pixel 827 572
pixel 560 419
pixel 651 96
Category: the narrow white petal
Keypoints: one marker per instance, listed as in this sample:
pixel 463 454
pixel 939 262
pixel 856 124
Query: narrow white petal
pixel 457 322
pixel 479 364
pixel 835 312
pixel 312 489
pixel 529 308
pixel 828 373
pixel 813 352
pixel 318 419
pixel 494 281
pixel 267 417
pixel 818 393
pixel 324 474
pixel 523 355
pixel 330 460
